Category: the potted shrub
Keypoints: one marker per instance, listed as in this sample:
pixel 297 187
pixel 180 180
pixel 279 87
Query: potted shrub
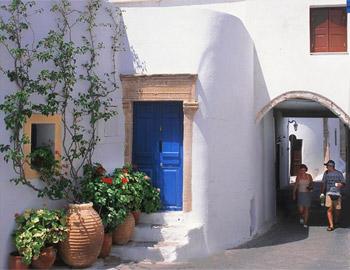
pixel 151 201
pixel 126 193
pixel 135 179
pixel 59 75
pixel 141 195
pixel 36 235
pixel 100 190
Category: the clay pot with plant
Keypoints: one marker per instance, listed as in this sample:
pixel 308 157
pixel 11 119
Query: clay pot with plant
pixel 136 193
pixel 102 190
pixel 37 233
pixel 66 80
pixel 16 261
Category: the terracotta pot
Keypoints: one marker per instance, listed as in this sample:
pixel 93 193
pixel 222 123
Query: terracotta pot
pixel 123 233
pixel 136 215
pixel 106 246
pixel 85 236
pixel 15 262
pixel 46 259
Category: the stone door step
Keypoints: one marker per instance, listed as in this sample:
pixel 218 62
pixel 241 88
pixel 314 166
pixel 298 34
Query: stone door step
pixel 164 218
pixel 152 251
pixel 157 233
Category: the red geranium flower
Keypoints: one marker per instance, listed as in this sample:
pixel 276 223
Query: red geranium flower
pixel 107 180
pixel 125 180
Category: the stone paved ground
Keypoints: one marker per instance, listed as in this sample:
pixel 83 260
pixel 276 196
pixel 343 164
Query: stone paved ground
pixel 286 246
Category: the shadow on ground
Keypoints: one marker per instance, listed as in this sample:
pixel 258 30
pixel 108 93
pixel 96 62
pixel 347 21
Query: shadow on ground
pixel 288 228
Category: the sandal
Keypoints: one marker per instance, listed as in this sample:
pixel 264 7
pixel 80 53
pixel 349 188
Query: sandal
pixel 330 229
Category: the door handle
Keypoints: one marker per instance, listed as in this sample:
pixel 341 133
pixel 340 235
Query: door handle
pixel 161 164
pixel 160 147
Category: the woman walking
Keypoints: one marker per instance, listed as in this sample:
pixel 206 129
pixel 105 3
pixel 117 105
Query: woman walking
pixel 303 184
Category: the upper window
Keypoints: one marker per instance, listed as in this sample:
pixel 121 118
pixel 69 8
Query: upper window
pixel 328 29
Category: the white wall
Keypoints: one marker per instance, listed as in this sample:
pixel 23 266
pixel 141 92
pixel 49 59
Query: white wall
pixel 334 141
pixel 310 130
pixel 281 37
pixel 244 57
pixel 14 199
pixel 281 40
pixel 228 195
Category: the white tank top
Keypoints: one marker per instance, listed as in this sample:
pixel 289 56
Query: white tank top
pixel 303 184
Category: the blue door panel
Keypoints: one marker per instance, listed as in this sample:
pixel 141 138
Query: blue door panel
pixel 170 188
pixel 158 147
pixel 144 139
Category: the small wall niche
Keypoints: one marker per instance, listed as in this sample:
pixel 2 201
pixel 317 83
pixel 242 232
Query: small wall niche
pixel 43 135
pixel 43 132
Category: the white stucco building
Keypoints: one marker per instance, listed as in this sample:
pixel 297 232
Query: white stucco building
pixel 316 148
pixel 238 69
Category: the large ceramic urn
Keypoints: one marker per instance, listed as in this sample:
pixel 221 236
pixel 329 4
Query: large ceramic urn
pixel 85 236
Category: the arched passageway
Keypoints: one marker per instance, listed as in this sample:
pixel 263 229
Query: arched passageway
pixel 320 129
pixel 325 104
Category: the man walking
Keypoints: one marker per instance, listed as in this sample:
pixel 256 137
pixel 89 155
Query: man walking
pixel 332 182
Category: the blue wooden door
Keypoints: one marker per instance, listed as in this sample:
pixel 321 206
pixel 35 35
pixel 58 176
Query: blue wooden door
pixel 158 147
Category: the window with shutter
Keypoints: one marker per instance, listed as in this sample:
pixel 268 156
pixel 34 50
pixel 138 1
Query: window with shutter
pixel 328 31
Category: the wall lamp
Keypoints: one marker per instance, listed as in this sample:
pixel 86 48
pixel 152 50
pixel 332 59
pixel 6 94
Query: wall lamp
pixel 295 125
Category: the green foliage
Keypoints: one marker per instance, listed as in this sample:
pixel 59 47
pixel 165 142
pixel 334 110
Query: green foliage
pixel 151 198
pixel 116 195
pixel 43 160
pixel 144 196
pixel 66 80
pixel 109 200
pixel 37 229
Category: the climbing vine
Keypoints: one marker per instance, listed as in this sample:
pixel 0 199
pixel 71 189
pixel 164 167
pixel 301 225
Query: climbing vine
pixel 59 74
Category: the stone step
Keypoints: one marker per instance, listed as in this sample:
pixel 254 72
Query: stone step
pixel 157 233
pixel 164 218
pixel 151 251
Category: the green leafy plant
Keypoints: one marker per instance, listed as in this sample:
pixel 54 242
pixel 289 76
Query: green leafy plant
pixel 131 185
pixel 58 74
pixel 43 161
pixel 144 196
pixel 107 195
pixel 37 229
pixel 151 199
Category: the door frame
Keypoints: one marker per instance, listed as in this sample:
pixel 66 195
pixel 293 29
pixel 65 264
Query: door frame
pixel 163 87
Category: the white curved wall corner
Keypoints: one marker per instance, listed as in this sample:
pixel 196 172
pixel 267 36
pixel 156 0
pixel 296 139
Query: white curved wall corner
pixel 218 47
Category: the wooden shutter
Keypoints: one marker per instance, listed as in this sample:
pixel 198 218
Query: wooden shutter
pixel 337 30
pixel 319 30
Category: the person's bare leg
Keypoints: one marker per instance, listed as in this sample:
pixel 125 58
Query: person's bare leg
pixel 306 215
pixel 301 212
pixel 330 216
pixel 336 216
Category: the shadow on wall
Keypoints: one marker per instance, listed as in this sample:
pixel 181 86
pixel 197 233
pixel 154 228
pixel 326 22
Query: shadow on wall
pixel 129 59
pixel 229 82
